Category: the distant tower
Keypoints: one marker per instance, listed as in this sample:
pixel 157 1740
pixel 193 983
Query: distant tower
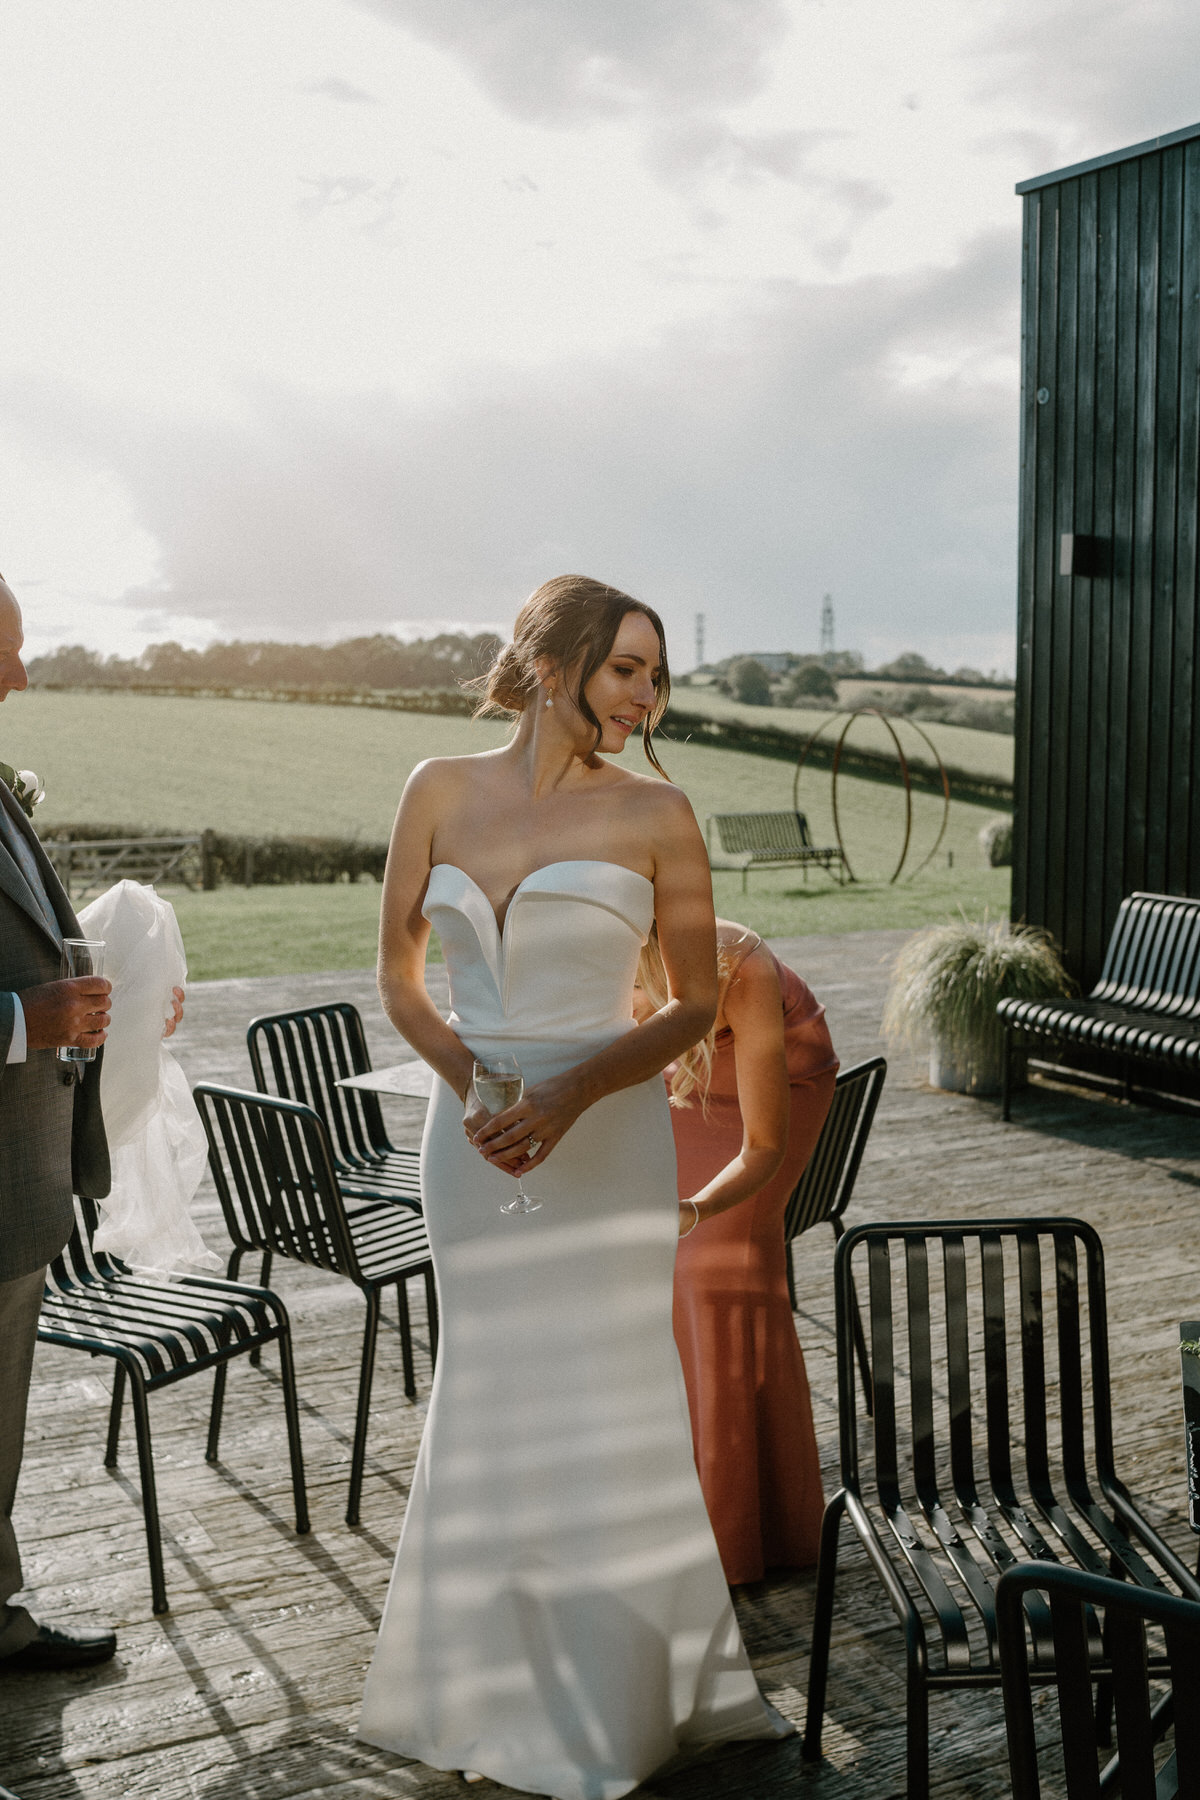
pixel 699 640
pixel 827 628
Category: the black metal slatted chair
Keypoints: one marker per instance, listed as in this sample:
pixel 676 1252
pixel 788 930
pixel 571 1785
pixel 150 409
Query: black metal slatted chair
pixel 275 1177
pixel 302 1056
pixel 158 1332
pixel 1026 1346
pixel 1073 1598
pixel 822 1194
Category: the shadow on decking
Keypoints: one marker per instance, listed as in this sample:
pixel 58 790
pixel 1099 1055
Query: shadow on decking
pixel 249 1689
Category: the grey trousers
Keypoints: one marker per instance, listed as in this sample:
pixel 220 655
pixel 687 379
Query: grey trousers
pixel 20 1303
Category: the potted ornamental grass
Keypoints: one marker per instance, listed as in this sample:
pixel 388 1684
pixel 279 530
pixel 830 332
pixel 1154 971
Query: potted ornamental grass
pixel 945 986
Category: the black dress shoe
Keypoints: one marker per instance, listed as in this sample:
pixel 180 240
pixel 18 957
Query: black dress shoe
pixel 57 1647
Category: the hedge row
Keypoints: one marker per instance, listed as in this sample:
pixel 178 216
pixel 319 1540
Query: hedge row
pixel 451 701
pixel 229 857
pixel 872 765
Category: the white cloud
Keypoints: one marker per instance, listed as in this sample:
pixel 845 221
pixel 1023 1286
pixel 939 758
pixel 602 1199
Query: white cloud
pixel 335 87
pixel 321 313
pixel 567 62
pixel 740 468
pixel 1106 73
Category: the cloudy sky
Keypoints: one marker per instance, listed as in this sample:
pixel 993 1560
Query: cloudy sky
pixel 327 316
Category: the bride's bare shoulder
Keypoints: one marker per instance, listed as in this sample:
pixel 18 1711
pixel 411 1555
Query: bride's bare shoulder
pixel 441 776
pixel 659 804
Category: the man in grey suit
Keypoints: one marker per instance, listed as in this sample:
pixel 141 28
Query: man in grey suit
pixel 52 1143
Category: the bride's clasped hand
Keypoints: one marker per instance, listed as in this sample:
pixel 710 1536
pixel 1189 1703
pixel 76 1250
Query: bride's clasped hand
pixel 557 1617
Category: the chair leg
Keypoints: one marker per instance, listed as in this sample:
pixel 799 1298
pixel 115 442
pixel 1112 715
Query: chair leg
pixel 917 1735
pixel 291 1407
pixel 818 1666
pixel 218 1408
pixel 406 1348
pixel 359 1456
pixel 1006 1076
pixel 264 1276
pixel 114 1417
pixel 431 1312
pixel 141 1417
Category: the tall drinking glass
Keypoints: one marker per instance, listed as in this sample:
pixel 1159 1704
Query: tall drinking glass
pixel 499 1084
pixel 80 956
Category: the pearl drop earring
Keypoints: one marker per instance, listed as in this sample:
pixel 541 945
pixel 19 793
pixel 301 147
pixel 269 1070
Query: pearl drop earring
pixel 549 699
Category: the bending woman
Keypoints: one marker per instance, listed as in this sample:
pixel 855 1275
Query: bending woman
pixel 747 1106
pixel 557 1617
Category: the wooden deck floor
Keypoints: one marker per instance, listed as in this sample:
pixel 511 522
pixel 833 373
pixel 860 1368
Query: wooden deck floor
pixel 248 1689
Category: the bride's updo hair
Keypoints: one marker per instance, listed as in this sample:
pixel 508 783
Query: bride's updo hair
pixel 574 622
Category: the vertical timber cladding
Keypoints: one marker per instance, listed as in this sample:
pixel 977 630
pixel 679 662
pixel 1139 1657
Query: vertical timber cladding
pixel 1108 682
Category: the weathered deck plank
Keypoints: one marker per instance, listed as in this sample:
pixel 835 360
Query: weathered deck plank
pixel 250 1686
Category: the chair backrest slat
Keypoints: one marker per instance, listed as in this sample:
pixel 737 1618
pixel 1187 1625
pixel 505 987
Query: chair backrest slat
pixel 302 1055
pixel 883 1370
pixel 274 1175
pixel 1033 1357
pixel 995 1366
pixel 958 1360
pixel 955 1306
pixel 1153 956
pixel 1071 1398
pixel 920 1363
pixel 824 1189
pixel 762 833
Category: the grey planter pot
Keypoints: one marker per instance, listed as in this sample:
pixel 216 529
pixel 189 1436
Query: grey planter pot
pixel 981 1077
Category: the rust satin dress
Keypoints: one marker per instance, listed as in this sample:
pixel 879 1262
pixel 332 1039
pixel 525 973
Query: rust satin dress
pixel 752 1429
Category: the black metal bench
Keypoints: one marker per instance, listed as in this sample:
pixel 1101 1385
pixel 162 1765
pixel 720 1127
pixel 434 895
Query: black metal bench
pixel 1145 1006
pixel 771 840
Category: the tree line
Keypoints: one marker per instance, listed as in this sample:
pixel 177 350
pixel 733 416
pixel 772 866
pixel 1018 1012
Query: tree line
pixel 384 664
pixel 812 681
pixel 379 662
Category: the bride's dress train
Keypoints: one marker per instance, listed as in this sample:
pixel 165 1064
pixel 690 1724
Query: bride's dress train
pixel 557 1617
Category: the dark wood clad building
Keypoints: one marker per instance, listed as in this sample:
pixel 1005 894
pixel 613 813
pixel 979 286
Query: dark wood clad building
pixel 1108 663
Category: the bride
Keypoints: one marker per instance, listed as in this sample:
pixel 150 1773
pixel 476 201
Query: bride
pixel 557 1617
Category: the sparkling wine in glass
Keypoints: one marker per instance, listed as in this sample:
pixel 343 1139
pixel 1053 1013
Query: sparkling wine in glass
pixel 499 1084
pixel 80 956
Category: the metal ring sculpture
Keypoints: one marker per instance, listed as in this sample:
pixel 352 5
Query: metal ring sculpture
pixel 878 712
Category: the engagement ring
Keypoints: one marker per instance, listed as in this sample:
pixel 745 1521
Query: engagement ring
pixel 535 1145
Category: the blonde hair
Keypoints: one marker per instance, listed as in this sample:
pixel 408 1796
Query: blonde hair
pixel 573 621
pixel 693 1073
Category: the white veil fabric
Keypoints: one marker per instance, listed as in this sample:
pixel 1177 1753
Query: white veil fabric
pixel 155 1137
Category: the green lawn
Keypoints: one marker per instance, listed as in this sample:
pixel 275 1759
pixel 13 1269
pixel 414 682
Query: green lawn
pixel 259 766
pixel 305 930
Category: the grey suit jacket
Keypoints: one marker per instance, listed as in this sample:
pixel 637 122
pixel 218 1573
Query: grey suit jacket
pixel 51 1132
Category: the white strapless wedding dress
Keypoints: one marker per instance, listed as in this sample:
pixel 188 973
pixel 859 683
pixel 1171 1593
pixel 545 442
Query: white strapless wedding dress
pixel 557 1617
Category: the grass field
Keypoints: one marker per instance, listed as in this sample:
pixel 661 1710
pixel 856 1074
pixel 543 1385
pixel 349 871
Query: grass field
pixel 259 766
pixel 304 930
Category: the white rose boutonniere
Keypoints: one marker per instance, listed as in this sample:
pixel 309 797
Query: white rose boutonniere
pixel 27 790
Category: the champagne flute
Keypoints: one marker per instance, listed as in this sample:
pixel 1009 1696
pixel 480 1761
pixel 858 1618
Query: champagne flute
pixel 80 956
pixel 499 1084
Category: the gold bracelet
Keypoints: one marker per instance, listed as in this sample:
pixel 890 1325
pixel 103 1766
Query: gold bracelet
pixel 694 1222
